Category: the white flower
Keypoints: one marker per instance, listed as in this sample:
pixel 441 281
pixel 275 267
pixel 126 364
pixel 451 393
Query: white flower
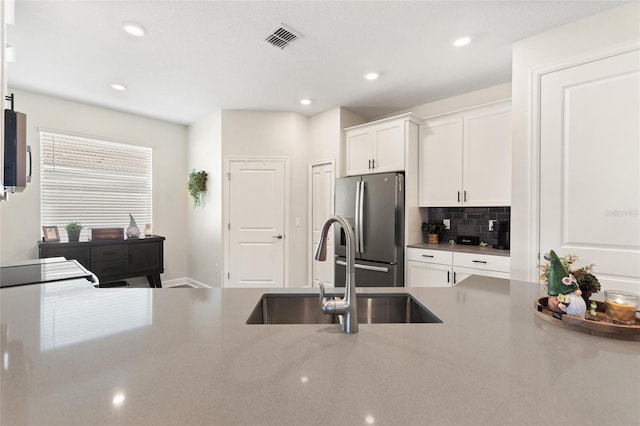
pixel 569 280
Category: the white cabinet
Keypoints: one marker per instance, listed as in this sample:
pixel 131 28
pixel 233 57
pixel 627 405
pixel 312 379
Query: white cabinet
pixel 429 268
pixel 441 268
pixel 380 146
pixel 465 158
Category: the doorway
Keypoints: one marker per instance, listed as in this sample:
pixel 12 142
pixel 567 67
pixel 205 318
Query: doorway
pixel 321 206
pixel 255 223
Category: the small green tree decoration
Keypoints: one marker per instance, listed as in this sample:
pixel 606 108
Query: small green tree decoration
pixel 197 185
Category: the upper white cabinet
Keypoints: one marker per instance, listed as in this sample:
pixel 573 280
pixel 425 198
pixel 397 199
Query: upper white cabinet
pixel 465 158
pixel 380 146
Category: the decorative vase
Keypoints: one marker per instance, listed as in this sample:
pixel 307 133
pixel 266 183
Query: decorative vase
pixel 434 238
pixel 74 236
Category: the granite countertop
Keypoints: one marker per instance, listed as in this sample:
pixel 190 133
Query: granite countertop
pixel 462 248
pixel 78 355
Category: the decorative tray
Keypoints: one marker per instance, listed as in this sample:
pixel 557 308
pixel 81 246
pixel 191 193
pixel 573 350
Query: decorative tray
pixel 599 327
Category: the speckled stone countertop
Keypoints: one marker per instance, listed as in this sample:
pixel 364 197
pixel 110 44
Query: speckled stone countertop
pixel 77 355
pixel 462 249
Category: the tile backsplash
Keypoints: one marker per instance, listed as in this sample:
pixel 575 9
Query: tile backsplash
pixel 470 221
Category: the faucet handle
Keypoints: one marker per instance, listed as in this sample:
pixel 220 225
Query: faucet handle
pixel 332 306
pixel 321 293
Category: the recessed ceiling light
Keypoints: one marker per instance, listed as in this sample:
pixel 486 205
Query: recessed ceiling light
pixel 462 41
pixel 134 29
pixel 372 76
pixel 119 87
pixel 305 101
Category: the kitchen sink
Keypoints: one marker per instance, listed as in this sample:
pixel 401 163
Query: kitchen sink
pixel 373 308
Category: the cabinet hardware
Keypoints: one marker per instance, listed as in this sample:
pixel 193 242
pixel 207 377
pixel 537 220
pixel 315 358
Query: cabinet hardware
pixel 479 261
pixel 455 277
pixel 458 196
pixel 427 255
pixel 465 196
pixel 279 236
pixel 373 163
pixel 448 277
pixel 369 163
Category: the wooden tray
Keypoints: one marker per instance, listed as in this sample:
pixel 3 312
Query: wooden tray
pixel 597 328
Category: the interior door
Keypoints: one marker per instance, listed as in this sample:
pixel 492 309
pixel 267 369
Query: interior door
pixel 256 223
pixel 322 183
pixel 589 174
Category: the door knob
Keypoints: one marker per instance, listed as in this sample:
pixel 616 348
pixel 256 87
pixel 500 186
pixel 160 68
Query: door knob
pixel 279 236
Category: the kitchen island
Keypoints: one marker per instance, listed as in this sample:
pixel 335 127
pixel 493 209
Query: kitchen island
pixel 75 354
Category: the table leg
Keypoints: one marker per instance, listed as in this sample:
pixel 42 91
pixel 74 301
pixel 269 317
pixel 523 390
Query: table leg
pixel 154 281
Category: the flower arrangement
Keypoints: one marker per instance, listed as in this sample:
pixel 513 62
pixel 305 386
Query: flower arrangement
pixel 583 275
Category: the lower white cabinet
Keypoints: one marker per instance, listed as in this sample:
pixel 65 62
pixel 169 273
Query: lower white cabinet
pixel 441 268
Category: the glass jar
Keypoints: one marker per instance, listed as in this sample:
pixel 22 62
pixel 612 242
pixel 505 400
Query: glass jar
pixel 620 307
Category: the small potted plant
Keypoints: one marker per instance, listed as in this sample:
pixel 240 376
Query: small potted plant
pixel 73 231
pixel 196 185
pixel 433 228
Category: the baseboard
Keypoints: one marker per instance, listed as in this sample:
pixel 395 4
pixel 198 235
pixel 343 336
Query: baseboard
pixel 197 284
pixel 184 281
pixel 176 282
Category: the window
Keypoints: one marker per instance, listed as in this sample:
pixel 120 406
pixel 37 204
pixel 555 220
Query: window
pixel 95 182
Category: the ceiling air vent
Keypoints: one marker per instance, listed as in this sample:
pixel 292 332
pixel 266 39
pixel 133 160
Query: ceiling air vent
pixel 282 37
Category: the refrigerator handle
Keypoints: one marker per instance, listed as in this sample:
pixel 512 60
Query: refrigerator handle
pixel 357 218
pixel 360 236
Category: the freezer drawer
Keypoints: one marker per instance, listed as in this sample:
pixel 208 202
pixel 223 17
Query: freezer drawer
pixel 371 274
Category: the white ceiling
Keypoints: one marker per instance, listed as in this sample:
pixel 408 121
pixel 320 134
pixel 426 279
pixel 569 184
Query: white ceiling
pixel 199 56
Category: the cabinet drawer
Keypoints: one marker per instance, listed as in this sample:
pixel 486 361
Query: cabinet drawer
pixel 81 254
pixel 109 268
pixel 482 261
pixel 110 252
pixel 463 273
pixel 429 256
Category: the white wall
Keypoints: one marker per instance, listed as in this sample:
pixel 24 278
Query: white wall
pixel 260 134
pixel 324 136
pixel 205 221
pixel 614 27
pixel 20 216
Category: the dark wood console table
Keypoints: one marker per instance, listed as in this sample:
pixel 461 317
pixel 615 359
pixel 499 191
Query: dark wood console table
pixel 112 260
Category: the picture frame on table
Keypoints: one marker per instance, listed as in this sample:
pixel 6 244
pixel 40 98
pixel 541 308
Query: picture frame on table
pixel 50 233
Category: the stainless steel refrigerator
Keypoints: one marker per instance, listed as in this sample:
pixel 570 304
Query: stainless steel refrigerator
pixel 374 205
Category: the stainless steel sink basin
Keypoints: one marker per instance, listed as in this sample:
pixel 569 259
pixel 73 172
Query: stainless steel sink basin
pixel 382 308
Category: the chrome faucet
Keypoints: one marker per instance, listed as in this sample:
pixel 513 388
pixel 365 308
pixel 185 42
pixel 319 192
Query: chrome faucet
pixel 347 307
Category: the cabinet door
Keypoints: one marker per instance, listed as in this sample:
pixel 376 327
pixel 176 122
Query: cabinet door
pixel 389 148
pixel 144 257
pixel 440 167
pixel 487 158
pixel 421 274
pixel 359 152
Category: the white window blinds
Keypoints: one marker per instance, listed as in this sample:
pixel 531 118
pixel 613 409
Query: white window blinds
pixel 97 183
